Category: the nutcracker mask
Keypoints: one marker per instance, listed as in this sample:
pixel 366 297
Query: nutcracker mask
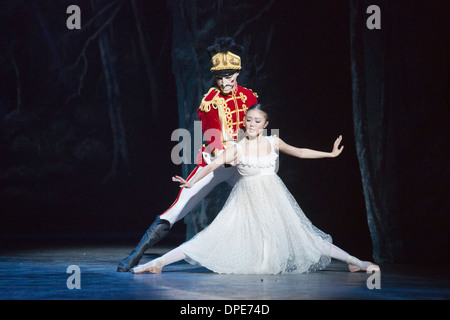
pixel 227 83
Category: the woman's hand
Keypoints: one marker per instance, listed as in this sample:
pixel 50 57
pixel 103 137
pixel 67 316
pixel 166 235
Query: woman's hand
pixel 183 183
pixel 336 150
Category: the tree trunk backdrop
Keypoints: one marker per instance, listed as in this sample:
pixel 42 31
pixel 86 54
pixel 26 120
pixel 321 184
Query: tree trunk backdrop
pixel 398 76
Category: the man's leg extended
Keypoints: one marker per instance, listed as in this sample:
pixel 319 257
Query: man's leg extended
pixel 185 202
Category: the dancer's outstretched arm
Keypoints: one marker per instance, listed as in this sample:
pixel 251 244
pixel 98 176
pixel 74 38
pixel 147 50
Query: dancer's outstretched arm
pixel 309 153
pixel 228 156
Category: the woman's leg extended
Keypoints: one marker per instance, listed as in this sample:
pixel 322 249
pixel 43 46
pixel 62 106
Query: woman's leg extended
pixel 156 265
pixel 354 263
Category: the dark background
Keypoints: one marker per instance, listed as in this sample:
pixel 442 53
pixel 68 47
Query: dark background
pixel 61 179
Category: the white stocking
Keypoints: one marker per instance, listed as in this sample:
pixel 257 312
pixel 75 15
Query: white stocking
pixel 339 254
pixel 170 257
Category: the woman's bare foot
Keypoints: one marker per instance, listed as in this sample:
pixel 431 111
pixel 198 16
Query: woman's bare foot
pixel 150 267
pixel 372 266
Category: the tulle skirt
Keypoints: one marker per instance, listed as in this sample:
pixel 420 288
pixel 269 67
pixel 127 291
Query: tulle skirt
pixel 260 230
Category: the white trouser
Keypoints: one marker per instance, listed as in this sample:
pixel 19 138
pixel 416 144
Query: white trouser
pixel 188 198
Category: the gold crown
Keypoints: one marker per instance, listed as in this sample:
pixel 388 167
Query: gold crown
pixel 225 61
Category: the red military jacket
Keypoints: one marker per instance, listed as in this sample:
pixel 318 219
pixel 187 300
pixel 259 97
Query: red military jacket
pixel 225 115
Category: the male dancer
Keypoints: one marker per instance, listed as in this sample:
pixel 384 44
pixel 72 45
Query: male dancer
pixel 222 113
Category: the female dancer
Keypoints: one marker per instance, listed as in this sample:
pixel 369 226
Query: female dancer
pixel 261 228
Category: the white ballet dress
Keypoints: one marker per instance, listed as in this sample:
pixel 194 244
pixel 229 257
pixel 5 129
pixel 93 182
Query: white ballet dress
pixel 261 228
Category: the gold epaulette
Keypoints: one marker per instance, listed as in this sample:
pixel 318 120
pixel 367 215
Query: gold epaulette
pixel 210 100
pixel 254 93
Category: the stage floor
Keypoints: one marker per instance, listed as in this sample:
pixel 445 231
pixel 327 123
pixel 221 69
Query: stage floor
pixel 40 273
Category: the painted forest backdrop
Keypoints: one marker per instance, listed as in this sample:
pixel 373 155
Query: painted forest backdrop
pixel 87 115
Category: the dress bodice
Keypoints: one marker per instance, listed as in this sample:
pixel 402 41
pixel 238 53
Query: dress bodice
pixel 254 165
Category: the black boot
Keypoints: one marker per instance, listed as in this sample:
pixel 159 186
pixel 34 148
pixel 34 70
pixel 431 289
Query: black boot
pixel 158 230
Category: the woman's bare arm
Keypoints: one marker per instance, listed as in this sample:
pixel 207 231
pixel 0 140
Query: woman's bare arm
pixel 305 153
pixel 228 156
